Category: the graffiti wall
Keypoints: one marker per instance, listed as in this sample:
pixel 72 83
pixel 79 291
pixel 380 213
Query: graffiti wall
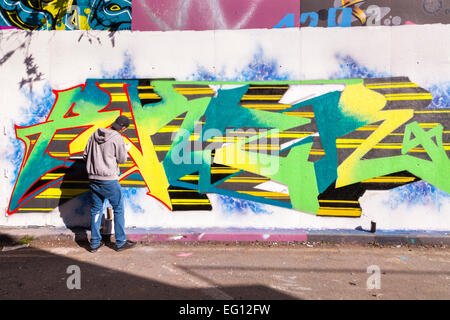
pixel 169 15
pixel 346 13
pixel 275 128
pixel 314 147
pixel 235 14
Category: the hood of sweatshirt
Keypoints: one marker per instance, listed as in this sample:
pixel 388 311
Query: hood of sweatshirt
pixel 102 135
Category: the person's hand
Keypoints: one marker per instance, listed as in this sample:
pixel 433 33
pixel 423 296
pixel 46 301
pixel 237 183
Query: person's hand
pixel 128 146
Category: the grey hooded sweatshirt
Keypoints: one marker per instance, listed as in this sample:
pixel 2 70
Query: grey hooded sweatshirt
pixel 104 151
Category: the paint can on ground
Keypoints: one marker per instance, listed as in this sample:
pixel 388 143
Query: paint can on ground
pixel 107 226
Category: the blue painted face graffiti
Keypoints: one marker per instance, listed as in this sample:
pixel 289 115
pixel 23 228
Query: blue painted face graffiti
pixel 66 14
pixel 110 15
pixel 24 15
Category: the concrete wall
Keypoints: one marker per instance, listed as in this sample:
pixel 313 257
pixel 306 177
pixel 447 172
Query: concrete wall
pixel 392 75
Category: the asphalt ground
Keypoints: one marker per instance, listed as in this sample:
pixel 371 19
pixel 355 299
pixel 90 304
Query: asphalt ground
pixel 61 268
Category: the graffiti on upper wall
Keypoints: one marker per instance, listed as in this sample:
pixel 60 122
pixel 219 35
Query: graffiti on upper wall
pixel 312 146
pixel 212 15
pixel 66 14
pixel 347 13
pixel 209 15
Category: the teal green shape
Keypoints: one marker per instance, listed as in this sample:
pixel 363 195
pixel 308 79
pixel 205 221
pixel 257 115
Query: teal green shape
pixel 331 123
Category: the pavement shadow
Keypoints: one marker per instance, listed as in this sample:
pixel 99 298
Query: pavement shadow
pixel 6 240
pixel 75 212
pixel 31 273
pixel 82 237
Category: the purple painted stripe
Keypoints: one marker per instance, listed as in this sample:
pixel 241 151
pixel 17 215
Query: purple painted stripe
pixel 222 237
pixel 149 15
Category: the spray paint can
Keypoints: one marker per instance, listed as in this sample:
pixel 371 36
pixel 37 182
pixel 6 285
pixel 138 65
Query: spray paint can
pixel 107 225
pixel 109 213
pixel 373 226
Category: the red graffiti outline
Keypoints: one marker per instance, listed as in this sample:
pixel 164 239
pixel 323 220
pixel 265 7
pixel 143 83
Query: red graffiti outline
pixel 27 153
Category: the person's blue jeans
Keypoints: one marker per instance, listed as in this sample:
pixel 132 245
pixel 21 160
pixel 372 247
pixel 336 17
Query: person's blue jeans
pixel 111 190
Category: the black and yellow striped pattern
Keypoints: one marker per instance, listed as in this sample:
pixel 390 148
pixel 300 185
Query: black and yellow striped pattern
pixel 400 93
pixel 264 97
pixel 243 186
pixel 162 140
pixel 146 92
pixel 194 91
pixel 183 199
pixel 344 201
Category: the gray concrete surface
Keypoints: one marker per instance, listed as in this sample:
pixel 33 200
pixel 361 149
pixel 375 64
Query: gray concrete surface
pixel 38 269
pixel 382 237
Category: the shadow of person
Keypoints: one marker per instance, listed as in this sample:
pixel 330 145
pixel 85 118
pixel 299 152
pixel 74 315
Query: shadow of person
pixel 75 210
pixel 104 280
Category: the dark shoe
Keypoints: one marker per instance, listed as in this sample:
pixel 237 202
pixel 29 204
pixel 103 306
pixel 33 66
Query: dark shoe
pixel 129 244
pixel 95 249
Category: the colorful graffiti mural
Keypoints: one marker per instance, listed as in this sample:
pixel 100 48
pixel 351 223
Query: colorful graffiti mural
pixel 313 146
pixel 218 14
pixel 346 13
pixel 66 14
